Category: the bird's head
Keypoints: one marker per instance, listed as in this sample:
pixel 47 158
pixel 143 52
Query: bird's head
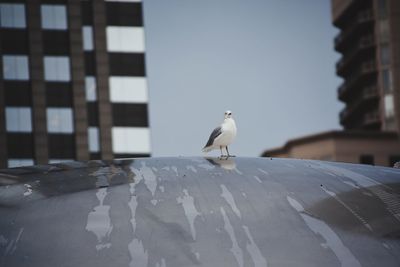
pixel 228 114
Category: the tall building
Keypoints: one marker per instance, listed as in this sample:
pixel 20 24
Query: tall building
pixel 72 81
pixel 369 41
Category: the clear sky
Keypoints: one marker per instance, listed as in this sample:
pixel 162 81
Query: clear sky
pixel 271 62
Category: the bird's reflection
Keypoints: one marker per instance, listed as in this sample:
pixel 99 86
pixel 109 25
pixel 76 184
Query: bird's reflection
pixel 226 163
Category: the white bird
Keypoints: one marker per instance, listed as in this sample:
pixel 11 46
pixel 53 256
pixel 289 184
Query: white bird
pixel 223 135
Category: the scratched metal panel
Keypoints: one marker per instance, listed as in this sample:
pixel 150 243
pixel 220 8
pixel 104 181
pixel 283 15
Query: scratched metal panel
pixel 198 211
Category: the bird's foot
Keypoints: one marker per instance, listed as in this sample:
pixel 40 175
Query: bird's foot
pixel 231 156
pixel 223 157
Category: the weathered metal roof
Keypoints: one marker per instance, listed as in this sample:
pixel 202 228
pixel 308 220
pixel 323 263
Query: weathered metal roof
pixel 200 211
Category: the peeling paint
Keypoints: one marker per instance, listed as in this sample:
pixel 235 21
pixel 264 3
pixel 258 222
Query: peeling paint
pixel 102 246
pixel 227 195
pixel 263 171
pixel 17 240
pixel 104 174
pixel 175 169
pixel 149 178
pixel 192 168
pixel 98 221
pixel 238 172
pixel 352 184
pixel 254 251
pixel 207 167
pixel 139 256
pixel 162 264
pixel 190 210
pixel 258 179
pixel 235 249
pixel 28 190
pixel 133 205
pixel 210 213
pixel 197 254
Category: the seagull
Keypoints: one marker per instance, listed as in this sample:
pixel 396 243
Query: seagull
pixel 222 136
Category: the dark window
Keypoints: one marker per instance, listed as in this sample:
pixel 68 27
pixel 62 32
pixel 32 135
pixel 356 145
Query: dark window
pixel 367 159
pixel 61 146
pixel 58 94
pixel 130 115
pixel 14 41
pixel 127 64
pixel 124 14
pixel 20 145
pixel 17 93
pixel 87 12
pixel 90 65
pixel 55 43
pixel 93 114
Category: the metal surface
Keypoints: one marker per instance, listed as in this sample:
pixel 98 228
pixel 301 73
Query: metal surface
pixel 198 211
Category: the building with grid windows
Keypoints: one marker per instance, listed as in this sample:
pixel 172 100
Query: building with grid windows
pixel 72 81
pixel 369 42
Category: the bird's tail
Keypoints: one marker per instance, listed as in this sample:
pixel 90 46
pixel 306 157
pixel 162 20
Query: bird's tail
pixel 207 149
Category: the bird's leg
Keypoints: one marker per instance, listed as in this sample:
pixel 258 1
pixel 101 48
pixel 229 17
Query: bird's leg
pixel 227 151
pixel 222 154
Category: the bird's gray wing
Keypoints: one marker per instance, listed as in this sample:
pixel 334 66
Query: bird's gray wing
pixel 217 132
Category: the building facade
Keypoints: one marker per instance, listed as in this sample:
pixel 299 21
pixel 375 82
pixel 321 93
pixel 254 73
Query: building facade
pixel 369 41
pixel 72 81
pixel 365 147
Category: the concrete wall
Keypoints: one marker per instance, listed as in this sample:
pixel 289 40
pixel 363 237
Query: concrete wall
pixel 350 150
pixel 342 148
pixel 320 149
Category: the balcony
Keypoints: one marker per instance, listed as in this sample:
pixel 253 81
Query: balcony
pixel 359 50
pixel 371 119
pixel 367 99
pixel 363 18
pixel 366 68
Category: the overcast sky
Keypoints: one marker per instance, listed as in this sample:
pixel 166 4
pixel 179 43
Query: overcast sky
pixel 269 61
